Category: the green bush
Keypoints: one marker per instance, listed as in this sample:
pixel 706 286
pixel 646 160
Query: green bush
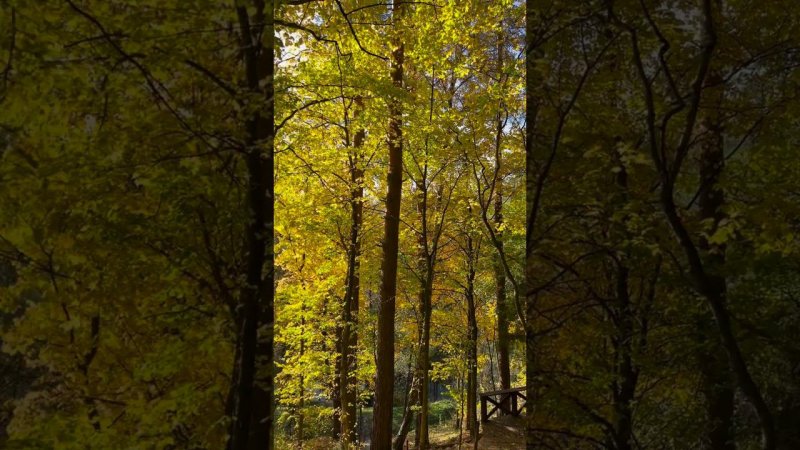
pixel 317 422
pixel 442 411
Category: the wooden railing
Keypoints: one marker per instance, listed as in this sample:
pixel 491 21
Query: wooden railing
pixel 503 400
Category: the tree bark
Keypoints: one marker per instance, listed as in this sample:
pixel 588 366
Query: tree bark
pixel 716 384
pixel 423 360
pixel 298 412
pixel 532 53
pixel 503 338
pixel 336 385
pixel 348 359
pixel 472 348
pixel 384 381
pixel 717 389
pixel 252 388
pixel 427 259
pixel 412 395
pixel 623 388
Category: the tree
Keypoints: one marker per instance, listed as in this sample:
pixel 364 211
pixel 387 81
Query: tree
pixel 384 376
pixel 252 388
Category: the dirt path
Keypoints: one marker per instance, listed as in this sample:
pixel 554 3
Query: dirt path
pixel 504 433
pixel 500 433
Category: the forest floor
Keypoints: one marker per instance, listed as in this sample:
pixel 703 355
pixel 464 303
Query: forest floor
pixel 504 433
pixel 500 433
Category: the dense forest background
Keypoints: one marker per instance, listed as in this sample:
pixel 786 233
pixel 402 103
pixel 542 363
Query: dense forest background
pixel 661 230
pixel 334 223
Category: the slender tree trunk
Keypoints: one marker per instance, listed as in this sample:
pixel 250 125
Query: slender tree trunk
pixel 412 396
pixel 627 373
pixel 491 351
pixel 336 385
pixel 503 310
pixel 503 338
pixel 252 390
pixel 427 256
pixel 460 420
pixel 423 360
pixel 384 381
pixel 716 382
pixel 428 244
pixel 472 349
pixel 348 360
pixel 93 414
pixel 299 416
pixel 717 389
pixel 532 53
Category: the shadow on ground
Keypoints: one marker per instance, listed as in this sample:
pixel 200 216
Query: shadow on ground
pixel 503 433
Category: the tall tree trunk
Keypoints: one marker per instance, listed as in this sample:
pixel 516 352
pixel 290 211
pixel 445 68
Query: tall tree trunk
pixel 503 310
pixel 423 360
pixel 93 415
pixel 532 53
pixel 336 385
pixel 716 387
pixel 427 260
pixel 384 381
pixel 412 396
pixel 624 386
pixel 252 390
pixel 348 359
pixel 460 419
pixel 428 243
pixel 472 346
pixel 627 373
pixel 298 413
pixel 716 382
